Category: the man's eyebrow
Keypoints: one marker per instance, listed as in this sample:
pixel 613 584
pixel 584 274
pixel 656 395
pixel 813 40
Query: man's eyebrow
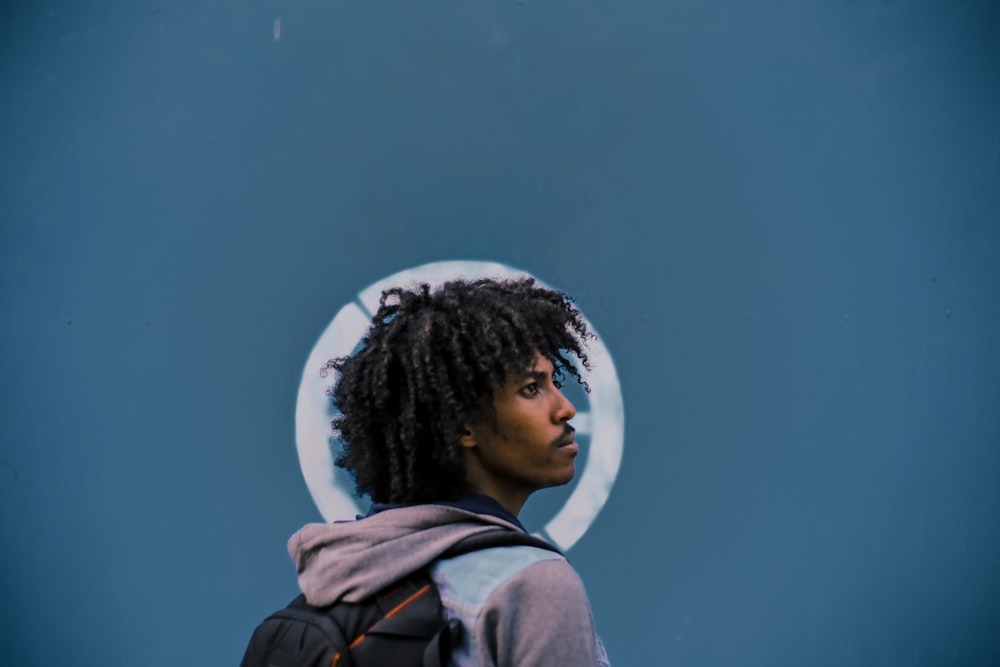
pixel 534 374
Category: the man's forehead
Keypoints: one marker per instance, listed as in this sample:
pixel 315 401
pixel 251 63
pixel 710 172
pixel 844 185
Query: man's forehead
pixel 540 365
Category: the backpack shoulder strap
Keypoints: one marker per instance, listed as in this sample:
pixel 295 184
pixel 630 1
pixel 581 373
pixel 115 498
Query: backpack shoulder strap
pixel 500 537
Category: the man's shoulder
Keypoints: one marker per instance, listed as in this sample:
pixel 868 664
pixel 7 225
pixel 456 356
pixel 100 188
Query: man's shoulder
pixel 469 579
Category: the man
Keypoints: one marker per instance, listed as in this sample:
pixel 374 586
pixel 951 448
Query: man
pixel 450 416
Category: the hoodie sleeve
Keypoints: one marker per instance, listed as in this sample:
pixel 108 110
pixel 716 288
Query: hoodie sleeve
pixel 540 617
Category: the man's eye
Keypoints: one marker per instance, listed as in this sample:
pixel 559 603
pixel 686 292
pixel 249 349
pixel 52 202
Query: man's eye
pixel 530 390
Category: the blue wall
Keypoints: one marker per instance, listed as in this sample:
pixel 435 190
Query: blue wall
pixel 783 217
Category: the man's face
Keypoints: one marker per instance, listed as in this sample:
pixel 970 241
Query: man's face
pixel 529 445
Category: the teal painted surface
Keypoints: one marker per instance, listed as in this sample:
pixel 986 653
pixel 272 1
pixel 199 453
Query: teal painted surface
pixel 784 219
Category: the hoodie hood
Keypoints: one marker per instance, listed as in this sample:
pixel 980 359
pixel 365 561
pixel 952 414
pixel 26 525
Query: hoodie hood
pixel 351 560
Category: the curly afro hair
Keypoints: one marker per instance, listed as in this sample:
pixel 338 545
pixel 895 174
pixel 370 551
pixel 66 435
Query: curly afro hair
pixel 431 362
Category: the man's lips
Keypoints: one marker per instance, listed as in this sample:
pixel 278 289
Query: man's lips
pixel 568 439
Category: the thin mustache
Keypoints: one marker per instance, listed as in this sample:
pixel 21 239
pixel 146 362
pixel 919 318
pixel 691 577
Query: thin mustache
pixel 567 436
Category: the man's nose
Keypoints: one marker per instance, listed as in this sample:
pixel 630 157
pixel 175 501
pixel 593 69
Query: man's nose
pixel 565 410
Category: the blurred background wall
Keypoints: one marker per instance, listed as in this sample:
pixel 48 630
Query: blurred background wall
pixel 783 218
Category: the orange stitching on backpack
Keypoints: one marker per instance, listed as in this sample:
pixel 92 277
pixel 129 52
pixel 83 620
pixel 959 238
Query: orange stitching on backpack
pixel 407 601
pixel 395 610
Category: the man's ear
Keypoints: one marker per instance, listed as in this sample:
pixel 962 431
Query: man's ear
pixel 467 438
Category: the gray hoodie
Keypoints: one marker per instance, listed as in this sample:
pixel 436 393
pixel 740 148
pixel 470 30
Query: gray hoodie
pixel 521 606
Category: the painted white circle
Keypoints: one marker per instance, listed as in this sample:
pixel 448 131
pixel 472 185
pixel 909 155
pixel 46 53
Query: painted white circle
pixel 334 495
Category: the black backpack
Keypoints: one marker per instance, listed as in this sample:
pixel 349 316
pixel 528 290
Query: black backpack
pixel 401 626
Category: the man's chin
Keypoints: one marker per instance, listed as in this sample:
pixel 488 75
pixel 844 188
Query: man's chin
pixel 567 478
